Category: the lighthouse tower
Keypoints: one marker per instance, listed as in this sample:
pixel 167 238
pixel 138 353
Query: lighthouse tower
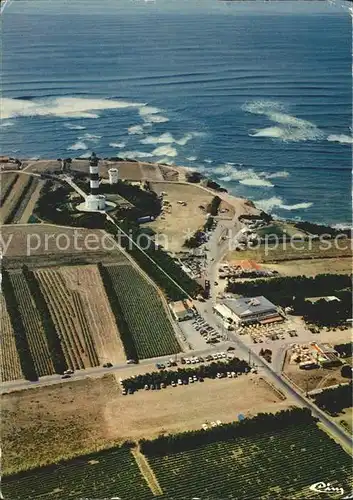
pixel 94 200
pixel 93 174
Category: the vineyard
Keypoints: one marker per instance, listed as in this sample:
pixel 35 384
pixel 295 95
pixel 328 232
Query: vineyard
pixel 33 325
pixel 85 283
pixel 10 363
pixel 68 315
pixel 106 474
pixel 269 457
pixel 7 181
pixel 149 328
pixel 276 465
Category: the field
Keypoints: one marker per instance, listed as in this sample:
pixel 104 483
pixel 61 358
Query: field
pixel 312 267
pixel 107 473
pixel 52 245
pixel 144 312
pixel 81 314
pixel 7 181
pixel 271 465
pixel 305 250
pixel 78 424
pixel 86 281
pixel 13 200
pixel 33 326
pixel 10 362
pixel 182 221
pixel 266 464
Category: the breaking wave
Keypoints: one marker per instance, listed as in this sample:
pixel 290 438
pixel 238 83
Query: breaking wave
pixel 165 151
pixel 135 130
pixel 62 107
pixel 288 128
pixel 117 144
pixel 256 182
pixel 246 176
pixel 342 138
pixel 77 146
pixel 7 124
pixel 150 115
pixel 191 158
pixel 71 126
pixel 90 138
pixel 167 138
pixel 270 204
pixel 135 154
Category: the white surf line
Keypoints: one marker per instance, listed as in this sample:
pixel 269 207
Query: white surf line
pixel 7 2
pixel 146 254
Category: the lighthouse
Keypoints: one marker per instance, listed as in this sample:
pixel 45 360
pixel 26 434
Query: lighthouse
pixel 94 174
pixel 94 200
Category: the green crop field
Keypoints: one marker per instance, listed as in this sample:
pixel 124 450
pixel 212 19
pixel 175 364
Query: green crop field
pixel 32 322
pixel 281 465
pixel 237 461
pixel 151 331
pixel 104 474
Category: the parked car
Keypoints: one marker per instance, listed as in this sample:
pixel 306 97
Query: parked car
pixel 66 376
pixel 107 365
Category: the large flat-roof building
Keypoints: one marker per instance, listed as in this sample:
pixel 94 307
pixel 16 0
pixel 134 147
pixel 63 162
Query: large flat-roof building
pixel 249 310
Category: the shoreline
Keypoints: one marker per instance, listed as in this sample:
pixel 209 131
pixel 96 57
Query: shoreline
pixel 181 170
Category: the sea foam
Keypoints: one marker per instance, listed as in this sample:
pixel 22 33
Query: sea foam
pixel 117 144
pixel 268 205
pixel 342 138
pixel 288 128
pixel 165 151
pixel 62 107
pixel 77 146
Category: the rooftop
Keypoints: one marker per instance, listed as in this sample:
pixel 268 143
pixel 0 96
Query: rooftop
pixel 248 306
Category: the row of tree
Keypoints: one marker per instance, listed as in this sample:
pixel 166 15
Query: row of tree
pixel 284 290
pixel 213 206
pixel 160 257
pixel 168 376
pixel 336 399
pixel 345 350
pixel 319 229
pixel 21 341
pixel 123 327
pixel 260 424
pixel 52 336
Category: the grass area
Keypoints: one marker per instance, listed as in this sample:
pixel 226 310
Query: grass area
pixel 296 251
pixel 281 464
pixel 312 267
pixel 143 310
pixel 268 465
pixel 107 473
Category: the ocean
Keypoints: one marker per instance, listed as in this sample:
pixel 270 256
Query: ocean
pixel 257 95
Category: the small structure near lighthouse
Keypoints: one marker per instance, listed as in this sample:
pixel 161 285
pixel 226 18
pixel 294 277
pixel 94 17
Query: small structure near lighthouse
pixel 113 175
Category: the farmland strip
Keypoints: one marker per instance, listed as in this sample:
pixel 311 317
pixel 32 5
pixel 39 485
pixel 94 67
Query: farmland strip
pixel 6 190
pixel 32 322
pixel 54 343
pixel 11 216
pixel 26 359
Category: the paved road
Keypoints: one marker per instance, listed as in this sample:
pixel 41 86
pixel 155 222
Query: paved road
pixel 216 253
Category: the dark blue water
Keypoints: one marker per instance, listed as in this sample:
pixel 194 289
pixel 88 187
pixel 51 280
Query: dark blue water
pixel 258 94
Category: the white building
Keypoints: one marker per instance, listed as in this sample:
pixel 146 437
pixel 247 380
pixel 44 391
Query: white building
pixel 248 310
pixel 113 175
pixel 95 202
